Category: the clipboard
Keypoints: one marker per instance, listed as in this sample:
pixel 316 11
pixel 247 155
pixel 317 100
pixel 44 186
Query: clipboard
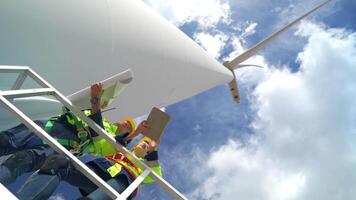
pixel 158 121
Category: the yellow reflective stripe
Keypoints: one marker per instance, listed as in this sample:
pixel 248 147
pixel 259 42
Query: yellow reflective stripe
pixel 87 112
pixel 70 120
pixel 49 125
pixel 132 169
pixel 80 121
pixel 114 170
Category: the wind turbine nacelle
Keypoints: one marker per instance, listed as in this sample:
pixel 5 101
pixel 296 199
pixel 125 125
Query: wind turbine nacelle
pixel 73 43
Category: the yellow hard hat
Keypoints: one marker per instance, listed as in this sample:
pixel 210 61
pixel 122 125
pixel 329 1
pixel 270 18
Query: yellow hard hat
pixel 138 150
pixel 145 139
pixel 132 123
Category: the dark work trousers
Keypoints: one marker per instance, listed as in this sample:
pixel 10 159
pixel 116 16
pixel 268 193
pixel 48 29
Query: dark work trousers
pixel 42 184
pixel 26 152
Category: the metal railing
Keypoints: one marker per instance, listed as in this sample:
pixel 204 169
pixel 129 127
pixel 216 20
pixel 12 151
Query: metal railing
pixel 16 92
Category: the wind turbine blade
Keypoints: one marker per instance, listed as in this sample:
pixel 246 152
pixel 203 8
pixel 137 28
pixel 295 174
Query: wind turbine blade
pixel 234 90
pixel 247 65
pixel 249 53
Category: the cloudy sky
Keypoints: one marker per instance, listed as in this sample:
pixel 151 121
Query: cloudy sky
pixel 293 136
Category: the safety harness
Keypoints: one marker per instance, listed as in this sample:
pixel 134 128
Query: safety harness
pixel 83 135
pixel 123 162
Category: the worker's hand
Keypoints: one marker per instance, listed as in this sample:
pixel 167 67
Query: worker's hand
pixel 143 127
pixel 104 105
pixel 96 90
pixel 153 146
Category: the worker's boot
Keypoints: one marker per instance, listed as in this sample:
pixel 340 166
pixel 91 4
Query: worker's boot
pixel 14 166
pixel 43 183
pixel 5 146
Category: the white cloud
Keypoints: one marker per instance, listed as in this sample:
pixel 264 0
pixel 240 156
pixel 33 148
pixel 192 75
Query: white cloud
pixel 252 75
pixel 237 40
pixel 237 48
pixel 250 29
pixel 249 75
pixel 243 173
pixel 295 9
pixel 213 44
pixel 304 141
pixel 208 13
pixel 197 128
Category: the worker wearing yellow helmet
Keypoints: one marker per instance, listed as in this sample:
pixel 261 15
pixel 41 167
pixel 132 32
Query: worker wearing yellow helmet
pixel 56 166
pixel 117 170
pixel 121 169
pixel 26 152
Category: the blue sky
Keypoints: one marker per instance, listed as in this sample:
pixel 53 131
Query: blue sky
pixel 293 134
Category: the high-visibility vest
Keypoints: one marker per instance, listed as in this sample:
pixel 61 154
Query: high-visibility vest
pixel 122 161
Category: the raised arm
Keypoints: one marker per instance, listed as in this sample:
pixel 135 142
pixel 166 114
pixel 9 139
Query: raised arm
pixel 142 127
pixel 96 90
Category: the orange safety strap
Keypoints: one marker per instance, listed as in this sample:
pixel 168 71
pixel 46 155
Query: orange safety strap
pixel 119 161
pixel 119 158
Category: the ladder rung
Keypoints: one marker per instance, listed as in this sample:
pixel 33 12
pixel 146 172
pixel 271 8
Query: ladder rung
pixel 135 183
pixel 12 69
pixel 26 93
pixel 19 81
pixel 166 186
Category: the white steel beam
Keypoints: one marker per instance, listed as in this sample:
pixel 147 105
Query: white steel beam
pixel 135 183
pixel 6 194
pixel 38 79
pixel 11 94
pixel 20 80
pixel 12 69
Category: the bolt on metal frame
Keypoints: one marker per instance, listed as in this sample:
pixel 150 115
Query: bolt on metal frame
pixel 47 89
